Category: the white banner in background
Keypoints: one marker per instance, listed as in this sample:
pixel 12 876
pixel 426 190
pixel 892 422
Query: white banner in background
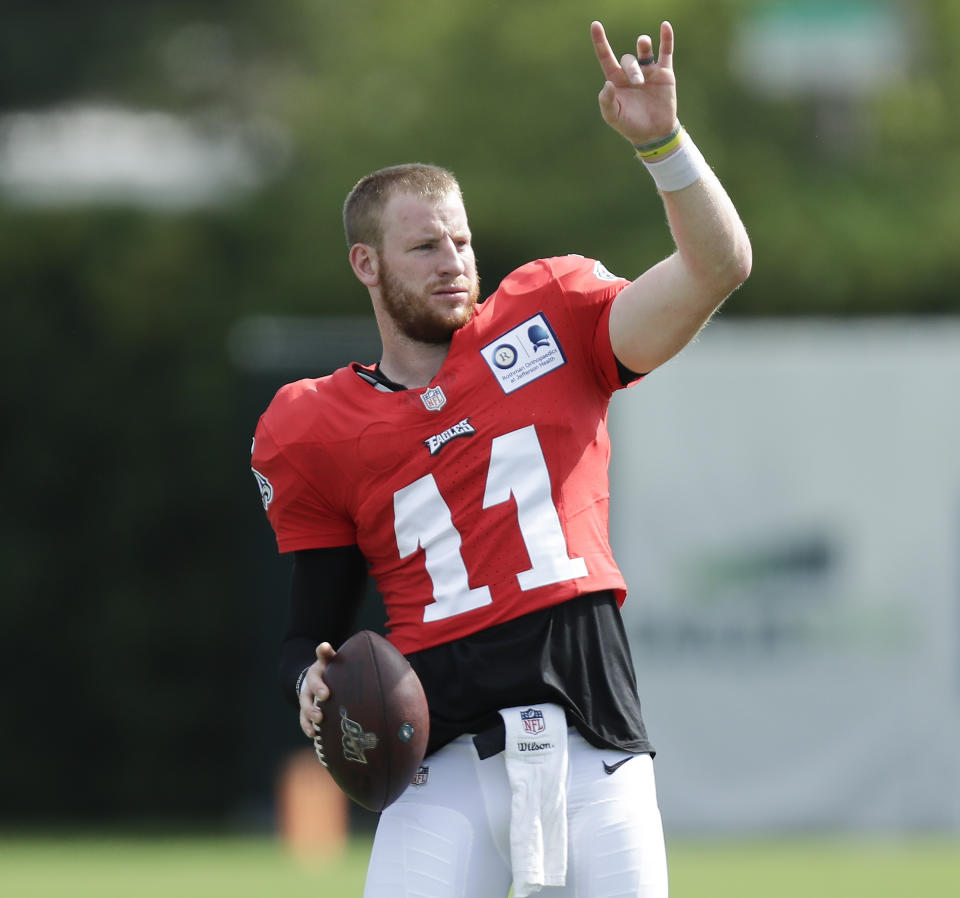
pixel 786 510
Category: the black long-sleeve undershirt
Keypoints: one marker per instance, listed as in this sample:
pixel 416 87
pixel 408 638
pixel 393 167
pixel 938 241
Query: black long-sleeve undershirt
pixel 326 588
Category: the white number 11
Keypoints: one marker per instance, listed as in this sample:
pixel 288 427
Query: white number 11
pixel 422 520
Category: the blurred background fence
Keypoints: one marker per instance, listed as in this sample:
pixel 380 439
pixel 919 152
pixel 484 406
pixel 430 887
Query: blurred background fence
pixel 171 176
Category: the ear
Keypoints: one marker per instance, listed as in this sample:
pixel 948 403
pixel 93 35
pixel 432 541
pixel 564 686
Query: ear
pixel 365 264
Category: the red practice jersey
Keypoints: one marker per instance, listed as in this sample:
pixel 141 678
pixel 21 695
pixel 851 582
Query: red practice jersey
pixel 482 497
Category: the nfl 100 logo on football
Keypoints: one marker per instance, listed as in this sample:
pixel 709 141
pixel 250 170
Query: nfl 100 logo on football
pixel 355 740
pixel 533 722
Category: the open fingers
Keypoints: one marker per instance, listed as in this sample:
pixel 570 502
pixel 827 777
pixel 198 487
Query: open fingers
pixel 645 48
pixel 666 46
pixel 620 72
pixel 608 62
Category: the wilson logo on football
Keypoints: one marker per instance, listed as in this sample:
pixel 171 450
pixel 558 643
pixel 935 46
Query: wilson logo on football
pixel 355 740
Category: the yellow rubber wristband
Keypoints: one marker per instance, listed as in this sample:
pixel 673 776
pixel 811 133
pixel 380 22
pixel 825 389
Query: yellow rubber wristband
pixel 656 152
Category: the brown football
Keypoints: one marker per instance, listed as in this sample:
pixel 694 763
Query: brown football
pixel 375 722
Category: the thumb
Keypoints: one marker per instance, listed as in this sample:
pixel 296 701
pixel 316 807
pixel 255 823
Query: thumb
pixel 609 105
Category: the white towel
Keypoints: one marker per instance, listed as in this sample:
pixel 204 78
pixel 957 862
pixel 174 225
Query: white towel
pixel 536 759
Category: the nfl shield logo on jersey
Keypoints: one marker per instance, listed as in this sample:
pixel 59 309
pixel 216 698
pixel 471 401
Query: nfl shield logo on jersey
pixel 532 721
pixel 433 399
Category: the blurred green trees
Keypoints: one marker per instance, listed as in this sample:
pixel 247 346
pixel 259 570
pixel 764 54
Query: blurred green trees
pixel 140 596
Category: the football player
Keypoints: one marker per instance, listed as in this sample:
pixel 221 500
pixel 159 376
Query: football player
pixel 467 472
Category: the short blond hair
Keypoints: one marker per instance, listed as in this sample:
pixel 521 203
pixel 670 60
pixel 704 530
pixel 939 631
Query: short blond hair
pixel 363 208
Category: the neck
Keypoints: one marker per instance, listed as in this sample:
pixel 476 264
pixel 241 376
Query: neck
pixel 411 363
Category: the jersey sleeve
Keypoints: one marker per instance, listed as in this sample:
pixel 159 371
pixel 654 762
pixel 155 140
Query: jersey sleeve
pixel 589 290
pixel 301 514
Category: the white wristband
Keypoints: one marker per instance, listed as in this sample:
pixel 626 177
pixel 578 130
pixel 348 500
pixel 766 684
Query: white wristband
pixel 680 169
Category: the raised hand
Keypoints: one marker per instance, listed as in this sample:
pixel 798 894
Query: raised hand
pixel 639 98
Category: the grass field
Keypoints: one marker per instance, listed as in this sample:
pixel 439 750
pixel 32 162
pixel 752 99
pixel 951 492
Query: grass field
pixel 207 867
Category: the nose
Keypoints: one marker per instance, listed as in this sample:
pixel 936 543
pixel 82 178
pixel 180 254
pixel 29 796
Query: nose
pixel 452 261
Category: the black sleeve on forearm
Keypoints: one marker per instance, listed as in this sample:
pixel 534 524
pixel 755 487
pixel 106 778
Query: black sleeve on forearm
pixel 326 588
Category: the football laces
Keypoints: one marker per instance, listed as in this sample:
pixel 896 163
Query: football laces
pixel 318 745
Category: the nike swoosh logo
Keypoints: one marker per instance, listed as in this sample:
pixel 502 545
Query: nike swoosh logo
pixel 613 768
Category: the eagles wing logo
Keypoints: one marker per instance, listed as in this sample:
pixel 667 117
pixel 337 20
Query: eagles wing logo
pixel 266 488
pixel 601 273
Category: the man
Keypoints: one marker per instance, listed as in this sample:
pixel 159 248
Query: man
pixel 468 472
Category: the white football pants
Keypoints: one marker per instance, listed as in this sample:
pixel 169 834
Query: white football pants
pixel 450 837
